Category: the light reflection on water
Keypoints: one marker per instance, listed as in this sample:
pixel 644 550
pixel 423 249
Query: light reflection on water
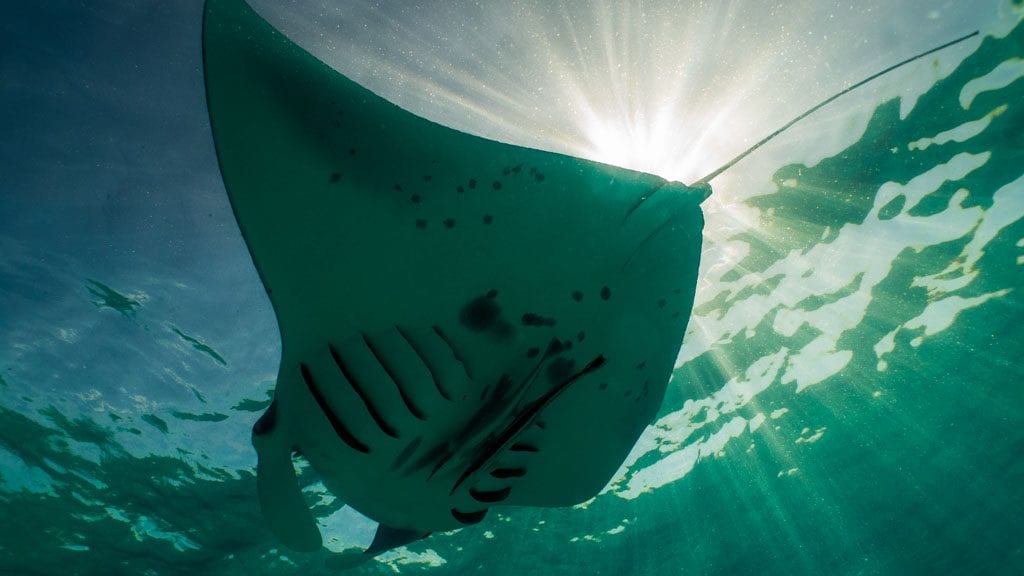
pixel 831 358
pixel 665 87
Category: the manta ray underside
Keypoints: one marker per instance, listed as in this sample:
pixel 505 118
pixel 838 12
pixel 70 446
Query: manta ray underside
pixel 464 323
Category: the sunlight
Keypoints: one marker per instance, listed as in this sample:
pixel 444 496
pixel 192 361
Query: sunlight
pixel 674 90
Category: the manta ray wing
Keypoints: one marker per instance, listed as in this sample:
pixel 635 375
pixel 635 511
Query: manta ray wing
pixel 464 322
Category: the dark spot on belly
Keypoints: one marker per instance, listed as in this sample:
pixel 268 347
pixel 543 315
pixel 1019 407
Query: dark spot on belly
pixel 480 313
pixel 606 293
pixel 415 199
pixel 523 447
pixel 560 369
pixel 603 386
pixel 427 177
pixel 662 303
pixel 506 171
pixel 460 189
pixel 641 365
pixel 508 472
pixel 532 352
pixel 449 222
pixel 468 518
pixel 488 219
pixel 539 177
pixel 496 185
pixel 472 183
pixel 398 187
pixel 555 347
pixel 531 319
pixel 492 293
pixel 421 223
pixel 407 453
pixel 503 330
pixel 490 496
pixel 581 336
pixel 335 177
pixel 577 295
pixel 351 151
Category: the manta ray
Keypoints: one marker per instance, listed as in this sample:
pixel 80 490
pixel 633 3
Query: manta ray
pixel 464 323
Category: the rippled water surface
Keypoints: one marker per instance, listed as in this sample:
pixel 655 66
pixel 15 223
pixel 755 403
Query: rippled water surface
pixel 849 398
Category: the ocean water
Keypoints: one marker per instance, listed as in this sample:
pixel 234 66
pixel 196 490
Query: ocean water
pixel 849 398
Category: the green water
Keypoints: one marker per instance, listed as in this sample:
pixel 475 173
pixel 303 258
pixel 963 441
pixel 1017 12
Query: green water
pixel 850 398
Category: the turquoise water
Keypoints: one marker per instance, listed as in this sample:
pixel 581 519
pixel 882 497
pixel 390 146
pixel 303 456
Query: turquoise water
pixel 848 398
